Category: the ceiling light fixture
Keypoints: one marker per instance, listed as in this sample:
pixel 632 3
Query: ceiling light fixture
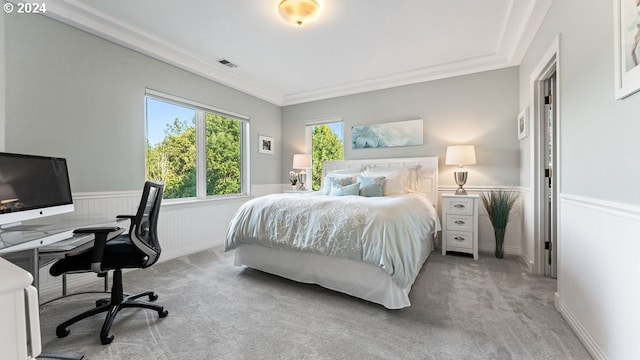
pixel 299 12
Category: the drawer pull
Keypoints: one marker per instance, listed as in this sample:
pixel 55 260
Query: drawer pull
pixel 459 206
pixel 459 238
pixel 459 222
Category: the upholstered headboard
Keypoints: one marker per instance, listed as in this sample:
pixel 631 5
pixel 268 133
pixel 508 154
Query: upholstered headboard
pixel 427 179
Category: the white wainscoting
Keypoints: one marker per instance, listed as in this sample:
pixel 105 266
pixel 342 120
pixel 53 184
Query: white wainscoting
pixel 183 227
pixel 191 226
pixel 599 274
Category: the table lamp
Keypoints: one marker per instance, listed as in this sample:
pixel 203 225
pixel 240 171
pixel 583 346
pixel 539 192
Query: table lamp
pixel 461 155
pixel 301 161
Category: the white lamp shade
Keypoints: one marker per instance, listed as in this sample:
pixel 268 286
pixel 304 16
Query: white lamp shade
pixel 461 155
pixel 301 161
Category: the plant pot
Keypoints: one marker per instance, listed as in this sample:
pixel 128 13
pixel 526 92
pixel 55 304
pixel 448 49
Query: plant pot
pixel 499 234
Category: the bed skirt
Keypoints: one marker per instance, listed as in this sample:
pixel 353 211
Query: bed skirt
pixel 351 277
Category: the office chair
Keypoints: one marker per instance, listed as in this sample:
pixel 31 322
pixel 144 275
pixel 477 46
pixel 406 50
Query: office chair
pixel 139 248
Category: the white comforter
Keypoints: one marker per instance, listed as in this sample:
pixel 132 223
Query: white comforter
pixel 384 231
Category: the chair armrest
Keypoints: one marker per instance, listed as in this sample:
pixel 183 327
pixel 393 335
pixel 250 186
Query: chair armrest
pixel 95 230
pixel 100 239
pixel 125 216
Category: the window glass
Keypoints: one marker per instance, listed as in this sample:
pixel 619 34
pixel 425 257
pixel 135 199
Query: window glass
pixel 194 151
pixel 223 149
pixel 327 143
pixel 171 148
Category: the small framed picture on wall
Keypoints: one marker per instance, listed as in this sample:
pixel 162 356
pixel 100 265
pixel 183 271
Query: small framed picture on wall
pixel 523 124
pixel 265 144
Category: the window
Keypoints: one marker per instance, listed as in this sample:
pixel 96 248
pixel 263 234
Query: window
pixel 327 143
pixel 196 150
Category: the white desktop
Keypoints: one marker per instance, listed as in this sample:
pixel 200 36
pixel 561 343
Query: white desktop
pixel 31 188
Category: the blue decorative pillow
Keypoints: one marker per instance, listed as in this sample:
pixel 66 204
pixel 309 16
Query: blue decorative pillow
pixel 339 190
pixel 330 180
pixel 371 186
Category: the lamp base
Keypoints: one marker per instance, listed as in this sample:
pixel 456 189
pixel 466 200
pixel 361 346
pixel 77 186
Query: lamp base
pixel 461 191
pixel 460 177
pixel 302 176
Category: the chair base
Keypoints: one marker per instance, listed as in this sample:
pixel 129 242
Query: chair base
pixel 112 307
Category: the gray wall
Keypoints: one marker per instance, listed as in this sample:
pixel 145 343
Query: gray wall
pixel 598 202
pixel 74 95
pixel 598 133
pixel 479 109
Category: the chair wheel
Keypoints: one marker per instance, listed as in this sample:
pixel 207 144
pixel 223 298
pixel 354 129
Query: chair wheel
pixel 62 333
pixel 163 313
pixel 106 340
pixel 153 297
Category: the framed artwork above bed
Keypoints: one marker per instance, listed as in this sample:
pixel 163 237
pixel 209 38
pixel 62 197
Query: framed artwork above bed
pixel 400 133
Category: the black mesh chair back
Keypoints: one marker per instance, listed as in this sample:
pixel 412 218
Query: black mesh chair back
pixel 143 229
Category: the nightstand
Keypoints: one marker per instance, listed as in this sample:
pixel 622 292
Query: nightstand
pixel 460 224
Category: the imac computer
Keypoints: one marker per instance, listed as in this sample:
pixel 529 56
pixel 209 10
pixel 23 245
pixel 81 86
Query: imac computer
pixel 32 187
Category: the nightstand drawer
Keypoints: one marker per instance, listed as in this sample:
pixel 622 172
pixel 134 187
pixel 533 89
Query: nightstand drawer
pixel 459 240
pixel 460 222
pixel 460 206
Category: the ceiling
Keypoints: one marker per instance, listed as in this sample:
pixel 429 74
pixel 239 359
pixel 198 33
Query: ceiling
pixel 355 45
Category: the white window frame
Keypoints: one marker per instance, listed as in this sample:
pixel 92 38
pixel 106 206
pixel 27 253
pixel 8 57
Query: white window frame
pixel 201 160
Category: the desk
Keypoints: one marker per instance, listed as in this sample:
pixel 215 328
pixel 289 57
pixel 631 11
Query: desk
pixel 57 236
pixel 52 237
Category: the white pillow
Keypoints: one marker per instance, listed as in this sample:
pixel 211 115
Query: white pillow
pixel 399 180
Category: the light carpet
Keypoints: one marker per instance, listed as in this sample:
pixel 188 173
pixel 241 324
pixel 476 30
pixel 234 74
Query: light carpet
pixel 461 309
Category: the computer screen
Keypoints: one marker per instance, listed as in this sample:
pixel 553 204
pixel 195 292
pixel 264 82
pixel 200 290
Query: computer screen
pixel 32 187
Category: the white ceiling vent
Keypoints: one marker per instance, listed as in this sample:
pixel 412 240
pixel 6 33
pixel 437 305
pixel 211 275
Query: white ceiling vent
pixel 227 63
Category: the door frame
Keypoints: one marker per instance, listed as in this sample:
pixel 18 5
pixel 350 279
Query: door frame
pixel 549 63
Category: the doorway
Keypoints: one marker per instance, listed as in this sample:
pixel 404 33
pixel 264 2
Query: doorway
pixel 549 193
pixel 545 166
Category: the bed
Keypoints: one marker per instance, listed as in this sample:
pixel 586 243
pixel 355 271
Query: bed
pixel 368 246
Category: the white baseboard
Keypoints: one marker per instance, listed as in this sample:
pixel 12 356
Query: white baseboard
pixel 526 262
pixel 582 333
pixel 508 250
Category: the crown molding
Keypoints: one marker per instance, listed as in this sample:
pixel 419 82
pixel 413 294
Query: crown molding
pixel 429 73
pixel 516 36
pixel 85 18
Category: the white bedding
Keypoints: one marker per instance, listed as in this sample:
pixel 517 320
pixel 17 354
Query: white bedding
pixel 390 232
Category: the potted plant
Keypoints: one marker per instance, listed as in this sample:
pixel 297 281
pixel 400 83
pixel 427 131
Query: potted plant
pixel 498 204
pixel 293 179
